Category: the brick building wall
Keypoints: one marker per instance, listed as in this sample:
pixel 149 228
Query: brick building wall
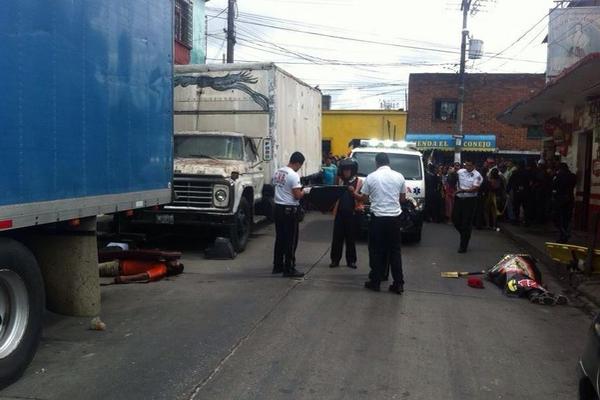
pixel 486 96
pixel 182 54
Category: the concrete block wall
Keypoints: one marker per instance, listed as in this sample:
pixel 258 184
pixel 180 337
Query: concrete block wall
pixel 487 95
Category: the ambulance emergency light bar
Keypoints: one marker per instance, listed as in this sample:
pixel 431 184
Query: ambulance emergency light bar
pixel 390 144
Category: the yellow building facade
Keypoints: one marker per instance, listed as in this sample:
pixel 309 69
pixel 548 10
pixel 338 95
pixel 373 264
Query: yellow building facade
pixel 341 127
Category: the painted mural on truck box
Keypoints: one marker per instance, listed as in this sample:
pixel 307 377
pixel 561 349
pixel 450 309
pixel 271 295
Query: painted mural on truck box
pixel 229 82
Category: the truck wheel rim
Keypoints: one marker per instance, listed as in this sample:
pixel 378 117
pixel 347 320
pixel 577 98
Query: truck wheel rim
pixel 14 311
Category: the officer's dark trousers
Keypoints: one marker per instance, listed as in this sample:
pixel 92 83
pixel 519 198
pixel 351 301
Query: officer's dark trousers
pixel 462 218
pixel 563 213
pixel 384 245
pixel 286 237
pixel 344 230
pixel 524 199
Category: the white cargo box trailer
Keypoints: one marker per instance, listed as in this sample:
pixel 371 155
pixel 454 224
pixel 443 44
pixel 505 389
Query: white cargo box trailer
pixel 259 100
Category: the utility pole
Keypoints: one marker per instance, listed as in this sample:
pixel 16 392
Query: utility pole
pixel 465 7
pixel 230 30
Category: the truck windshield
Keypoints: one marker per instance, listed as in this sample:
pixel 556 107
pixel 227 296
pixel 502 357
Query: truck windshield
pixel 209 146
pixel 408 165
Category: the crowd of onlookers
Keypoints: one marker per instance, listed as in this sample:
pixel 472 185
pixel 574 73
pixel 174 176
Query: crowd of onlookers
pixel 518 192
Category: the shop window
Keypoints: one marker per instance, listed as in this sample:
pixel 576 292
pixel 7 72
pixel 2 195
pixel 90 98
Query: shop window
pixel 445 110
pixel 535 132
pixel 183 22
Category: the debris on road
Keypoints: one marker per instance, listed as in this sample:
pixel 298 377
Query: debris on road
pixel 456 274
pixel 475 282
pixel 97 325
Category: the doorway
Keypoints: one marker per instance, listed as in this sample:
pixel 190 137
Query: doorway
pixel 585 154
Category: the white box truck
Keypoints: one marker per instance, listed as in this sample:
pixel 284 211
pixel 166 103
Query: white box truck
pixel 235 124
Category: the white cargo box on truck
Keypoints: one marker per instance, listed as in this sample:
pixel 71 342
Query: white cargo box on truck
pixel 259 100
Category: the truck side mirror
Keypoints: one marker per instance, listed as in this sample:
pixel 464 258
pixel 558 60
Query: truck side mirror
pixel 267 149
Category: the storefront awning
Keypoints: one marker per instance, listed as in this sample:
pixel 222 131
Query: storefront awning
pixel 445 142
pixel 571 88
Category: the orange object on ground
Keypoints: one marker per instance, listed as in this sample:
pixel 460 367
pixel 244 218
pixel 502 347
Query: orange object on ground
pixel 153 274
pixel 157 273
pixel 135 267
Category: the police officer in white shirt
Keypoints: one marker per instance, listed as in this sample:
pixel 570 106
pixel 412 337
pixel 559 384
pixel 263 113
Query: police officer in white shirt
pixel 385 189
pixel 288 192
pixel 465 204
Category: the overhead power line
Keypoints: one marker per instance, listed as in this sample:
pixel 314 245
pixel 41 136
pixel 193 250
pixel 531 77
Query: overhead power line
pixel 367 41
pixel 327 28
pixel 216 16
pixel 496 55
pixel 260 44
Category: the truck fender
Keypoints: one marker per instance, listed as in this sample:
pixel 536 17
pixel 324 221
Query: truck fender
pixel 239 188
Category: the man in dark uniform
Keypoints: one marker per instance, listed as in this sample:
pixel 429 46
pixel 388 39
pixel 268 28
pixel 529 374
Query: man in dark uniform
pixel 433 185
pixel 386 189
pixel 288 192
pixel 563 188
pixel 345 225
pixel 520 186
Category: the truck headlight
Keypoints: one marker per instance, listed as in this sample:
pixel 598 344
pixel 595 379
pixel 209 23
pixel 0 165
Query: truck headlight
pixel 221 196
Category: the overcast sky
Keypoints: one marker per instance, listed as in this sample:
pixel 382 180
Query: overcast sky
pixel 384 41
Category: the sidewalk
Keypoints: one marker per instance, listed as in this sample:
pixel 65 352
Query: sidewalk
pixel 532 240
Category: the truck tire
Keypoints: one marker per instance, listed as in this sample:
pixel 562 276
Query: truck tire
pixel 21 309
pixel 239 233
pixel 586 390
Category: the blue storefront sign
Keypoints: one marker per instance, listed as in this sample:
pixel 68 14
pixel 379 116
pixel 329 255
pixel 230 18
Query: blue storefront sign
pixel 432 142
pixel 479 143
pixel 444 142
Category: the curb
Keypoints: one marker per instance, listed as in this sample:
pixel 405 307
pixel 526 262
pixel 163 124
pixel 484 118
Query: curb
pixel 589 303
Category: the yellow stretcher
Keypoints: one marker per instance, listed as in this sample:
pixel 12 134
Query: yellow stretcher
pixel 576 257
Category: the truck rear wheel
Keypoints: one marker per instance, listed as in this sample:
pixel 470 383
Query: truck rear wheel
pixel 21 309
pixel 239 233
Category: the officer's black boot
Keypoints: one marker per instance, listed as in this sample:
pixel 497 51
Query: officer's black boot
pixel 293 273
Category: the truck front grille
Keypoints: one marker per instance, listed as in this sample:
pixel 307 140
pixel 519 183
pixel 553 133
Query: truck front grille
pixel 193 194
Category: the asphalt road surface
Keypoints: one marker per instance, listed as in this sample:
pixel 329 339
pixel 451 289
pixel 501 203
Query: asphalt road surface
pixel 230 330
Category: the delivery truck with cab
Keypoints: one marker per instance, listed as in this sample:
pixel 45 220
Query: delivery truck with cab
pixel 234 126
